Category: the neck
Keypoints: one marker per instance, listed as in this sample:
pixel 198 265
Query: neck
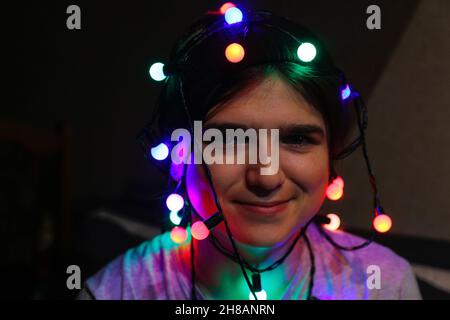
pixel 219 277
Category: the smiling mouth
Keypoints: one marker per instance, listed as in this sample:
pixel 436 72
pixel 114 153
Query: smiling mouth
pixel 264 208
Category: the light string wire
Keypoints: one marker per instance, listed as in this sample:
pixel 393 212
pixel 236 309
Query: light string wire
pixel 274 265
pixel 199 36
pixel 209 176
pixel 361 112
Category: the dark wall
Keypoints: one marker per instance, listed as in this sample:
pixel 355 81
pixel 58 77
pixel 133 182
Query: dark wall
pixel 96 79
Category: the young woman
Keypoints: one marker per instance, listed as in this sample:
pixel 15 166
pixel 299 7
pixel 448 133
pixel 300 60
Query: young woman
pixel 264 241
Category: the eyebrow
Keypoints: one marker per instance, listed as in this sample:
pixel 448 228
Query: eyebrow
pixel 289 129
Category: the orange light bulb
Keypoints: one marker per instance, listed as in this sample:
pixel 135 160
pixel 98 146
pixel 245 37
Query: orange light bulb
pixel 178 235
pixel 382 223
pixel 234 53
pixel 334 191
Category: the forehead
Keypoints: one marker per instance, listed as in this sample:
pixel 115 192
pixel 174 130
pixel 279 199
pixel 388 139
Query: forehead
pixel 272 103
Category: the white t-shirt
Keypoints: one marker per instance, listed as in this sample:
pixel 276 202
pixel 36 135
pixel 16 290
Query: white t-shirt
pixel 154 271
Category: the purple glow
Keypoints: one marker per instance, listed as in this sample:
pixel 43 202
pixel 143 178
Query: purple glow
pixel 176 171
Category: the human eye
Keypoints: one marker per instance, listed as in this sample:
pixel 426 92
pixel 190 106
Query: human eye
pixel 298 140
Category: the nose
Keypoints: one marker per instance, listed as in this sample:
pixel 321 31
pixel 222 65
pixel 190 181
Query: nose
pixel 263 185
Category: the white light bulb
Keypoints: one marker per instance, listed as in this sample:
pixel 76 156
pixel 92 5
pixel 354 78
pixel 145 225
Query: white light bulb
pixel 261 295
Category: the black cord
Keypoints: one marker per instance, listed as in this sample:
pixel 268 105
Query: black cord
pixel 362 124
pixel 281 260
pixel 361 113
pixel 274 265
pixel 193 292
pixel 209 176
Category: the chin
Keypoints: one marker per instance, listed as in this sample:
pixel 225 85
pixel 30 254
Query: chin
pixel 269 236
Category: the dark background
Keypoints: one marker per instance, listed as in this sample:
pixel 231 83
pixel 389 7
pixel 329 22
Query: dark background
pixel 76 99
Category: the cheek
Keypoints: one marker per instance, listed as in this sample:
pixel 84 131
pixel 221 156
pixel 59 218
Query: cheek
pixel 199 191
pixel 308 171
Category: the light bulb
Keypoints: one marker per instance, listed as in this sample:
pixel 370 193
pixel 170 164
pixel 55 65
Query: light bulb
pixel 346 92
pixel 233 15
pixel 199 230
pixel 156 71
pixel 174 217
pixel 226 6
pixel 306 52
pixel 234 53
pixel 178 234
pixel 334 191
pixel 334 223
pixel 160 152
pixel 261 295
pixel 382 223
pixel 175 202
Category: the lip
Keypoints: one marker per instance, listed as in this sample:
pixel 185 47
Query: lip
pixel 265 208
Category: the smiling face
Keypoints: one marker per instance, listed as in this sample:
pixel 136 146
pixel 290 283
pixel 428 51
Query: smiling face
pixel 266 210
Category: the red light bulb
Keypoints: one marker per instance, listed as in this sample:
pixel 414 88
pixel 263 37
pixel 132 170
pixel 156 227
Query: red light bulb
pixel 199 230
pixel 339 181
pixel 226 6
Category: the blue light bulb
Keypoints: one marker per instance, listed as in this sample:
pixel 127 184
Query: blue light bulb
pixel 345 93
pixel 233 15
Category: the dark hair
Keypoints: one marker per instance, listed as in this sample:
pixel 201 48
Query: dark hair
pixel 208 79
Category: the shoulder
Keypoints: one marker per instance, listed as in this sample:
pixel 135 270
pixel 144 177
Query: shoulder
pixel 397 279
pixel 139 273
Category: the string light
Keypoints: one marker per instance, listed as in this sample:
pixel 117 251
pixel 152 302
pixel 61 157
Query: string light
pixel 334 223
pixel 334 192
pixel 156 71
pixel 261 295
pixel 346 92
pixel 226 6
pixel 382 223
pixel 233 15
pixel 339 181
pixel 306 52
pixel 178 235
pixel 175 218
pixel 160 152
pixel 234 53
pixel 175 202
pixel 199 230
